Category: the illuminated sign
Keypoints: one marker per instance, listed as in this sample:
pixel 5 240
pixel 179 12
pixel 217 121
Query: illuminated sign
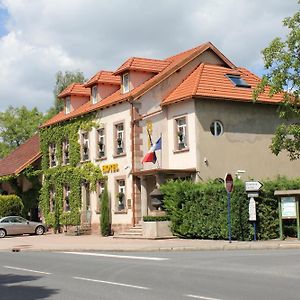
pixel 111 168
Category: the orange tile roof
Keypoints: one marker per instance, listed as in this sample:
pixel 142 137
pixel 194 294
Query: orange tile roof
pixel 103 77
pixel 211 81
pixel 75 89
pixel 21 157
pixel 175 63
pixel 142 64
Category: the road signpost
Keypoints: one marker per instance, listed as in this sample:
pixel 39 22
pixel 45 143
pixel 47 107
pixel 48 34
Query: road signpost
pixel 252 189
pixel 228 182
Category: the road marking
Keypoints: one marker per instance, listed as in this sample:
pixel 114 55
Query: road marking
pixel 202 297
pixel 118 256
pixel 26 270
pixel 113 283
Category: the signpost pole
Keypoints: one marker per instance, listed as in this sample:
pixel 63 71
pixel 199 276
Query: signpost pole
pixel 254 227
pixel 228 217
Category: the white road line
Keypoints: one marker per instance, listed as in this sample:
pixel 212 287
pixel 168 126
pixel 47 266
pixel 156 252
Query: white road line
pixel 113 283
pixel 26 270
pixel 118 256
pixel 202 297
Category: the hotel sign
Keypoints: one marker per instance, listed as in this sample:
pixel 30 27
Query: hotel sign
pixel 110 168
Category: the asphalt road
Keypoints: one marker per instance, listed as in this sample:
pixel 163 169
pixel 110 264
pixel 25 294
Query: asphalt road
pixel 159 275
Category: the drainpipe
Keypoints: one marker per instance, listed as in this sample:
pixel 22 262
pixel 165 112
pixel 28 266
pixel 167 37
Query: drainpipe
pixel 133 162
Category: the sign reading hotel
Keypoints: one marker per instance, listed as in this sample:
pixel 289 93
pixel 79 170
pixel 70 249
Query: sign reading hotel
pixel 288 208
pixel 110 168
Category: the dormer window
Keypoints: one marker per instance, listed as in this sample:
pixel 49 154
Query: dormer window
pixel 238 81
pixel 94 94
pixel 68 105
pixel 125 83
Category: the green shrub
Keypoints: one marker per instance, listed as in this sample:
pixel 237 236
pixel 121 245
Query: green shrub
pixel 155 218
pixel 10 205
pixel 199 210
pixel 105 213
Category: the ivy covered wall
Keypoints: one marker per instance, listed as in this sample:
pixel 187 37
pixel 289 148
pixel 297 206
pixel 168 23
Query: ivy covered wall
pixel 72 174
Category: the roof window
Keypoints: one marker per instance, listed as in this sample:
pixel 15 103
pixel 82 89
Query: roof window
pixel 238 81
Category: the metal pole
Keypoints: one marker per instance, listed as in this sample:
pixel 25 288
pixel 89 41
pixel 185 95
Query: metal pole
pixel 254 227
pixel 228 217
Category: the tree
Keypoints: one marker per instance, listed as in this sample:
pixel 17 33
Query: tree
pixel 104 218
pixel 282 62
pixel 16 126
pixel 63 80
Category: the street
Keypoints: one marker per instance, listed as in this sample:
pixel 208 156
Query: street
pixel 258 274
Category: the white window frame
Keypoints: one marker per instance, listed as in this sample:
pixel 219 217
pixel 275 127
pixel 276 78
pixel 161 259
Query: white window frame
pixel 68 105
pixel 101 139
pixel 52 152
pixel 215 128
pixel 85 141
pixel 66 149
pixel 52 200
pixel 67 192
pixel 181 132
pixel 120 135
pixel 125 83
pixel 121 188
pixel 94 94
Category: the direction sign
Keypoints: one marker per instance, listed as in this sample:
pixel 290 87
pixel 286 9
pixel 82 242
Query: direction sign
pixel 228 182
pixel 253 186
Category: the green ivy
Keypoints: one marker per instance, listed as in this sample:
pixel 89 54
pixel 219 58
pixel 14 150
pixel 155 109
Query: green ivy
pixel 73 174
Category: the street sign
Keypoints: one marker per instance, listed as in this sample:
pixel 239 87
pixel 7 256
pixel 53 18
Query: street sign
pixel 253 186
pixel 252 194
pixel 228 181
pixel 252 210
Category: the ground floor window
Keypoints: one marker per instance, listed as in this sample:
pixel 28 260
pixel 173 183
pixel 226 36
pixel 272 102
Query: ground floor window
pixel 121 195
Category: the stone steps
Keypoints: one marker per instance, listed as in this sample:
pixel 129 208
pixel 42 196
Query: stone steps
pixel 134 232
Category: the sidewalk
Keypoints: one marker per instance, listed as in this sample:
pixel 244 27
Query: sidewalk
pixel 61 242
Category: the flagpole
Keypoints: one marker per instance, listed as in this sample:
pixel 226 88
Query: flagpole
pixel 161 149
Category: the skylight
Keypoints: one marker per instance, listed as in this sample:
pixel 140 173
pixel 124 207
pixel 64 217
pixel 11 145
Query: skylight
pixel 238 81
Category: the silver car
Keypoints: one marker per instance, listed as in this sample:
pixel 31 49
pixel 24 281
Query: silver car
pixel 17 225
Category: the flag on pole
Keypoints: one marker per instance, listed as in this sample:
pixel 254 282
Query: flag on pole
pixel 150 155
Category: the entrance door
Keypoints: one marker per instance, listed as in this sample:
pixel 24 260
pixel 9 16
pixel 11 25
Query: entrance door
pixel 86 204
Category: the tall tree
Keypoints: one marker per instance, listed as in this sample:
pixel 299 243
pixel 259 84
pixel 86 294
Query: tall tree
pixel 16 126
pixel 63 80
pixel 282 62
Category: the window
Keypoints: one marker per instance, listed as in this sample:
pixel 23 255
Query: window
pixel 66 155
pixel 181 131
pixel 94 94
pixel 216 128
pixel 121 195
pixel 52 200
pixel 52 155
pixel 119 139
pixel 100 189
pixel 85 146
pixel 125 83
pixel 68 105
pixel 238 81
pixel 101 142
pixel 67 192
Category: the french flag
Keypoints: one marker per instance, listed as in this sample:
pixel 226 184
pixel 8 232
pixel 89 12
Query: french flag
pixel 150 155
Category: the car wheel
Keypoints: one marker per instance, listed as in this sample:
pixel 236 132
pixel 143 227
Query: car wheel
pixel 39 230
pixel 2 233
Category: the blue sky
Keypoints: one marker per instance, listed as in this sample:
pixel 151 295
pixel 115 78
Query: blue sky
pixel 47 36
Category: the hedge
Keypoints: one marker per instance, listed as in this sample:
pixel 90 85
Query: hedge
pixel 199 210
pixel 10 205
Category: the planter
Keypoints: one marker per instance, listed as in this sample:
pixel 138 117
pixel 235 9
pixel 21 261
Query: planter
pixel 157 229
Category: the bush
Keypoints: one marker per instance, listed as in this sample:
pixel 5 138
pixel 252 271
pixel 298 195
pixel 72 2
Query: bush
pixel 199 210
pixel 10 205
pixel 155 218
pixel 105 210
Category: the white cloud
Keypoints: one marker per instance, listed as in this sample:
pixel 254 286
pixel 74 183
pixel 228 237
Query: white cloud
pixel 45 36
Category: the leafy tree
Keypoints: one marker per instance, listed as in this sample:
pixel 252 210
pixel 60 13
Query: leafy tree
pixel 104 218
pixel 16 126
pixel 282 62
pixel 63 80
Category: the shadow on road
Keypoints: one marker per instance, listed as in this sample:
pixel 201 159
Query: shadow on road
pixel 12 289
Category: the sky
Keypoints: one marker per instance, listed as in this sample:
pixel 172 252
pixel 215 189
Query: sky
pixel 38 38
